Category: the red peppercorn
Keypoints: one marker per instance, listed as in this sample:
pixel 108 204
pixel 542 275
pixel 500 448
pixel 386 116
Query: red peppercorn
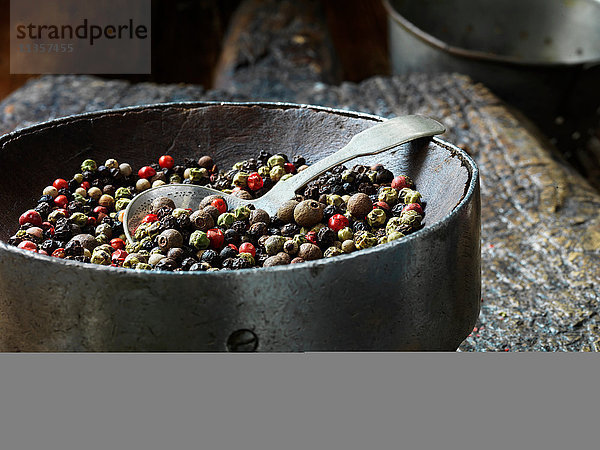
pixel 337 222
pixel 117 244
pixel 150 218
pixel 166 162
pixel 43 252
pixel 28 245
pixel 33 217
pixel 311 237
pixel 220 204
pixel 381 205
pixel 86 185
pixel 46 225
pixel 100 210
pixel 118 257
pixel 414 207
pixel 61 201
pixel 247 247
pixel 233 247
pixel 289 168
pixel 216 237
pixel 146 172
pixel 401 182
pixel 59 183
pixel 92 221
pixel 59 253
pixel 64 212
pixel 255 181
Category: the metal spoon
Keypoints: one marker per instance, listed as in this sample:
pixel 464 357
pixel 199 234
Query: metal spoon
pixel 381 137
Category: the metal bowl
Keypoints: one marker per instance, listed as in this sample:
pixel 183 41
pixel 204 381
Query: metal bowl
pixel 419 293
pixel 542 56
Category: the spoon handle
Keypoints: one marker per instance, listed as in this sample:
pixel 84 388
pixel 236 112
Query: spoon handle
pixel 381 137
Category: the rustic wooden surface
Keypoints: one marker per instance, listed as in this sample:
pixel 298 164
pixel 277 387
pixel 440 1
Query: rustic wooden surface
pixel 540 221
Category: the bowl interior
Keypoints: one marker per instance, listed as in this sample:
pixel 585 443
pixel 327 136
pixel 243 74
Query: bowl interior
pixel 534 31
pixel 31 159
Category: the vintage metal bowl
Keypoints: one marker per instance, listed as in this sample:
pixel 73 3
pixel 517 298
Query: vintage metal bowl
pixel 542 56
pixel 419 293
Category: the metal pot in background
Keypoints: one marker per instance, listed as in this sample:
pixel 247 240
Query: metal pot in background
pixel 418 293
pixel 542 56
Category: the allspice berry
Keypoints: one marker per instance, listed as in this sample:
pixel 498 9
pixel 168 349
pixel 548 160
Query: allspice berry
pixel 259 215
pixel 87 241
pixel 308 213
pixel 206 201
pixel 309 252
pixel 296 260
pixel 169 239
pixel 213 211
pixel 206 162
pixel 285 213
pixel 162 202
pixel 202 220
pixel 359 205
pixel 279 259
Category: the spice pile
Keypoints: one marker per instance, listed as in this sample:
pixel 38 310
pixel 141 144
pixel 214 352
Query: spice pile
pixel 342 211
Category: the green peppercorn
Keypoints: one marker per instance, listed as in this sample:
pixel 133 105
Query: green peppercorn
pixel 276 173
pixel 175 179
pixel 348 246
pixel 263 171
pixel 77 197
pixel 102 238
pixel 143 266
pixel 133 259
pixel 153 229
pixel 238 165
pixel 248 257
pixel 364 239
pixel 276 160
pixel 411 218
pixel 318 227
pixel 300 239
pixel 345 233
pixel 104 228
pixel 78 177
pixel 199 240
pixel 100 257
pixel 180 212
pixel 274 245
pixel 155 258
pixel 79 219
pixel 382 240
pixel 141 231
pixel 133 247
pixel 332 251
pixel 348 176
pixel 169 239
pixel 388 194
pixel 122 204
pixel 394 235
pixel 376 218
pixel 335 200
pixel 197 174
pixel 241 213
pixel 240 179
pixel 123 192
pixel 142 184
pixel 89 165
pixel 408 195
pixel 225 220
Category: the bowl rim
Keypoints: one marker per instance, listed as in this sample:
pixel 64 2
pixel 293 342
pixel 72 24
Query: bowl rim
pixel 466 161
pixel 477 54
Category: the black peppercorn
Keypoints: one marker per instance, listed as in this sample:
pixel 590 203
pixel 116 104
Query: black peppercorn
pixel 187 263
pixel 211 257
pixel 166 264
pixel 227 252
pixel 73 248
pixel 289 230
pixel 360 225
pixel 325 237
pixel 239 226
